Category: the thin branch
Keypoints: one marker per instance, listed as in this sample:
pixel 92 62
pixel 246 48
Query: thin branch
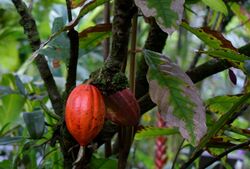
pixel 72 66
pixel 133 53
pixel 227 152
pixel 69 10
pixel 30 30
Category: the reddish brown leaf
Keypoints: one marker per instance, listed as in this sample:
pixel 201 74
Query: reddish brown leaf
pixel 232 76
pixel 97 28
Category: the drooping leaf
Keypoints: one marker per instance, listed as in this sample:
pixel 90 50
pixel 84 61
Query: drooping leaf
pixel 221 104
pixel 176 96
pixel 76 3
pixel 152 132
pixel 217 5
pixel 168 14
pixel 102 163
pixel 212 38
pixel 232 76
pixel 35 123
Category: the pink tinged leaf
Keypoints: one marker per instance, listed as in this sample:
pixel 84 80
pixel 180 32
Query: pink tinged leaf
pixel 176 97
pixel 232 76
pixel 168 14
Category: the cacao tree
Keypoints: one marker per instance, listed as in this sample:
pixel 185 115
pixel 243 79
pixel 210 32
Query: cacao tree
pixel 83 83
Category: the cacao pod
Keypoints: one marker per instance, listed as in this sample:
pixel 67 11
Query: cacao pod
pixel 85 113
pixel 122 108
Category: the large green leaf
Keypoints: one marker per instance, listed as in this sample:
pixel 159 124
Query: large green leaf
pixel 102 163
pixel 176 96
pixel 152 132
pixel 217 5
pixel 11 108
pixel 168 13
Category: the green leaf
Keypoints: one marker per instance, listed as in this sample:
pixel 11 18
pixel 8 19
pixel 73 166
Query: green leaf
pixel 227 54
pixel 221 104
pixel 152 132
pixel 222 121
pixel 168 14
pixel 5 164
pixel 35 123
pixel 10 140
pixel 102 163
pixel 94 35
pixel 20 86
pixel 5 90
pixel 212 38
pixel 242 14
pixel 11 108
pixel 176 96
pixel 217 5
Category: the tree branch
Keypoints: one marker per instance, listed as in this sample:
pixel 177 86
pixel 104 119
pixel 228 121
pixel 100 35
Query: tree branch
pixel 72 66
pixel 30 30
pixel 123 13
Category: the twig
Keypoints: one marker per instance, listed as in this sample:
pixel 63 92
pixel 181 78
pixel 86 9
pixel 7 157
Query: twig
pixel 177 154
pixel 227 152
pixel 69 10
pixel 72 66
pixel 133 53
pixel 30 29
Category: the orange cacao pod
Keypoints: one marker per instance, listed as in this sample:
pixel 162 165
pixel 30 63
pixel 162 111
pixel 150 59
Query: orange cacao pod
pixel 85 112
pixel 122 108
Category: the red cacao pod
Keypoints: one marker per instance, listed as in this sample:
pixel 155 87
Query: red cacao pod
pixel 85 113
pixel 122 108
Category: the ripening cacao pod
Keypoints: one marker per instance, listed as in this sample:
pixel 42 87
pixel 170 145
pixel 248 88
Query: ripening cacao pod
pixel 85 113
pixel 122 108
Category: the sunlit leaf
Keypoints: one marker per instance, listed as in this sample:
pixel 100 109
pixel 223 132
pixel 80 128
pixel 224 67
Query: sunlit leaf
pixel 226 54
pixel 35 123
pixel 152 132
pixel 221 104
pixel 102 163
pixel 176 96
pixel 168 14
pixel 76 3
pixel 217 5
